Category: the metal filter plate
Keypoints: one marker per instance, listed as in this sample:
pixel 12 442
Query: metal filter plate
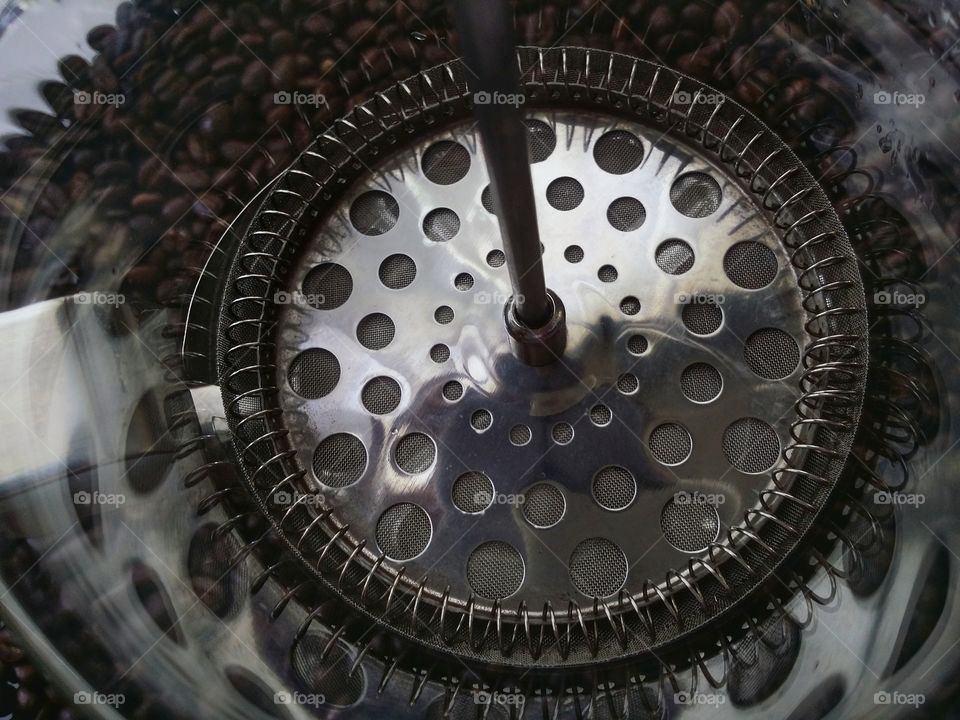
pixel 496 481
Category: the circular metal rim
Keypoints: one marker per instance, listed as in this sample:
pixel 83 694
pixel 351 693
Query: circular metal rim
pixel 646 92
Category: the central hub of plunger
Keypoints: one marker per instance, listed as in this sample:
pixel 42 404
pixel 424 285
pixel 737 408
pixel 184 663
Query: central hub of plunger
pixel 542 345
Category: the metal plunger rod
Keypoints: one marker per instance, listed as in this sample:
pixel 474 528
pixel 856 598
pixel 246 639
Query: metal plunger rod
pixel 485 28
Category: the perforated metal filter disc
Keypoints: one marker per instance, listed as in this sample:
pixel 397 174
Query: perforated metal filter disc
pixel 674 257
pixel 681 447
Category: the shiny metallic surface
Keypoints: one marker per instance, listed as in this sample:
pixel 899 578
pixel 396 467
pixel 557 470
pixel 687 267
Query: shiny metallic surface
pixel 495 380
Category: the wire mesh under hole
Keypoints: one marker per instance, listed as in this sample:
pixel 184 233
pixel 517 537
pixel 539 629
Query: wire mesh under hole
pixel 397 271
pixel 771 353
pixel 618 152
pixel 520 435
pixel 637 345
pixel 544 505
pixel 628 384
pixel 496 258
pixel 481 420
pixel 327 286
pixel 695 194
pixel 562 433
pixel 701 382
pixel 415 453
pixel 674 257
pixel 443 315
pixel 404 531
pixel 473 492
pixel 626 214
pixel 751 445
pixel 374 212
pixel 670 443
pixel 614 487
pixel 376 331
pixel 689 526
pixel 463 281
pixel 573 254
pixel 381 395
pixel 702 318
pixel 495 570
pixel 440 353
pixel 630 305
pixel 445 162
pixel 541 140
pixel 750 264
pixel 339 460
pixel 598 567
pixel 314 373
pixel 565 194
pixel 600 415
pixel 441 225
pixel 452 391
pixel 326 671
pixel 607 274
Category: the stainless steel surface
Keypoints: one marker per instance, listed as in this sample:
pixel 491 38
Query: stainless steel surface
pixel 494 380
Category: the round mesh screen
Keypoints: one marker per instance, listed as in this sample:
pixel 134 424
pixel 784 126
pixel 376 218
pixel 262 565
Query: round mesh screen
pixel 701 382
pixel 415 453
pixel 598 567
pixel 452 391
pixel 398 271
pixel 339 460
pixel 750 265
pixel 445 162
pixel 541 140
pixel 486 199
pixel 481 420
pixel 520 435
pixel 374 212
pixel 670 443
pixel 626 214
pixel 689 526
pixel 463 282
pixel 628 383
pixel 544 505
pixel 376 331
pixel 637 344
pixel 674 257
pixel 495 570
pixel 562 433
pixel 404 531
pixel 607 273
pixel 702 318
pixel 381 395
pixel 444 315
pixel 771 353
pixel 439 353
pixel 327 286
pixel 695 194
pixel 441 225
pixel 618 152
pixel 614 487
pixel 573 254
pixel 600 415
pixel 496 258
pixel 630 305
pixel 751 445
pixel 326 671
pixel 564 193
pixel 314 373
pixel 473 492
